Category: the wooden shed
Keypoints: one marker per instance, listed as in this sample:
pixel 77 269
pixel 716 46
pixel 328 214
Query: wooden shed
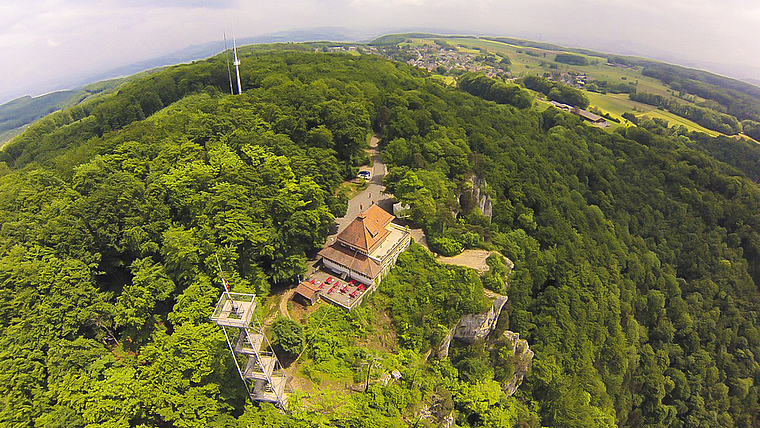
pixel 308 292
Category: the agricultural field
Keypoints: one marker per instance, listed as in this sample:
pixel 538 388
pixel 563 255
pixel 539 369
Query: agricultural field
pixel 617 104
pixel 537 61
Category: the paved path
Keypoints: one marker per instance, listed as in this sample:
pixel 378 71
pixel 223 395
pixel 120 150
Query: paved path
pixel 364 199
pixel 419 237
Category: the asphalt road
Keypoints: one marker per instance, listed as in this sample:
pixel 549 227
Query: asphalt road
pixel 365 198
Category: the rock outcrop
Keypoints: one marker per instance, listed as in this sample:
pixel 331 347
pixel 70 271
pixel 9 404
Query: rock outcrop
pixel 443 349
pixel 523 361
pixel 472 327
pixel 510 265
pixel 482 200
pixel 437 414
pixel 477 326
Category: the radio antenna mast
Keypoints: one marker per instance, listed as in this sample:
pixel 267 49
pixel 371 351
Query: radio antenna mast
pixel 236 62
pixel 227 58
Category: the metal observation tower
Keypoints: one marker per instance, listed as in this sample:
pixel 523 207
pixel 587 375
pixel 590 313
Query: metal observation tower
pixel 256 362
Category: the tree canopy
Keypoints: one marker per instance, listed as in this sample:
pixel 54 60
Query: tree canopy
pixel 637 253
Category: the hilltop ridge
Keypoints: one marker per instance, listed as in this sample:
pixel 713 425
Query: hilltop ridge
pixel 636 252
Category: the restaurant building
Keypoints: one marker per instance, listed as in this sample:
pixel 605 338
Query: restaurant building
pixel 367 248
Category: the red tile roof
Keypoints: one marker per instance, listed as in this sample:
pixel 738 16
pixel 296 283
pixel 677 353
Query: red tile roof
pixel 306 289
pixel 367 230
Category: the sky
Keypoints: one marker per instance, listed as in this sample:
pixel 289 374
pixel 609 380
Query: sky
pixel 46 45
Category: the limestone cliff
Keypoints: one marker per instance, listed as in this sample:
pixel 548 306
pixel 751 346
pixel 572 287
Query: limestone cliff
pixel 476 190
pixel 481 198
pixel 473 327
pixel 523 358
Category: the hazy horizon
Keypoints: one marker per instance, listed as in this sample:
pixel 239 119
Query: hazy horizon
pixel 58 44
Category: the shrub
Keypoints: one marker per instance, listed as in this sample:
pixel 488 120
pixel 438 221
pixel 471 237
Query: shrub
pixel 288 335
pixel 470 240
pixel 444 246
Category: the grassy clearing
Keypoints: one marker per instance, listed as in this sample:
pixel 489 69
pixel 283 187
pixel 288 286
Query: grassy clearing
pixel 446 80
pixel 352 188
pixel 616 104
pixel 540 105
pixel 677 120
pixel 523 64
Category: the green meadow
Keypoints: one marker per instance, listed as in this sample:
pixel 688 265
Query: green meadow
pixel 537 61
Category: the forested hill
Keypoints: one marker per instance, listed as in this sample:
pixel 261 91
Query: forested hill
pixel 16 114
pixel 637 254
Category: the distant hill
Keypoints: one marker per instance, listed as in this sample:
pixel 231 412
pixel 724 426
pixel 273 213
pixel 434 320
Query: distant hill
pixel 18 113
pixel 21 111
pixel 636 252
pixel 205 50
pixel 755 82
pixel 27 109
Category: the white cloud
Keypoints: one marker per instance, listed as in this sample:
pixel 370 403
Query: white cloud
pixel 97 35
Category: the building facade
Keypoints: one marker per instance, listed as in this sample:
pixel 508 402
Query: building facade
pixel 367 248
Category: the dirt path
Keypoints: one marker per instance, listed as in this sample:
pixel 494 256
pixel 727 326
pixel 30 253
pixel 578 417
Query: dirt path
pixel 284 302
pixel 475 259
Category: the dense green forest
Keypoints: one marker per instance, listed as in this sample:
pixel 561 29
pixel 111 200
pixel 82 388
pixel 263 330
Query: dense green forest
pixel 572 59
pixel 556 91
pixel 637 254
pixel 494 90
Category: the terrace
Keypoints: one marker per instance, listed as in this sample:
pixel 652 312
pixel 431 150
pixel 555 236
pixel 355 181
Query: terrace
pixel 346 294
pixel 390 243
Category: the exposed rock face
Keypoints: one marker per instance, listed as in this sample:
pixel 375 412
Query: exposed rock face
pixel 479 196
pixel 482 200
pixel 472 327
pixel 477 326
pixel 443 349
pixel 510 265
pixel 524 359
pixel 437 414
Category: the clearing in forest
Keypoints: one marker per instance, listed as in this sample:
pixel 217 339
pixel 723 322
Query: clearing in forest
pixel 475 259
